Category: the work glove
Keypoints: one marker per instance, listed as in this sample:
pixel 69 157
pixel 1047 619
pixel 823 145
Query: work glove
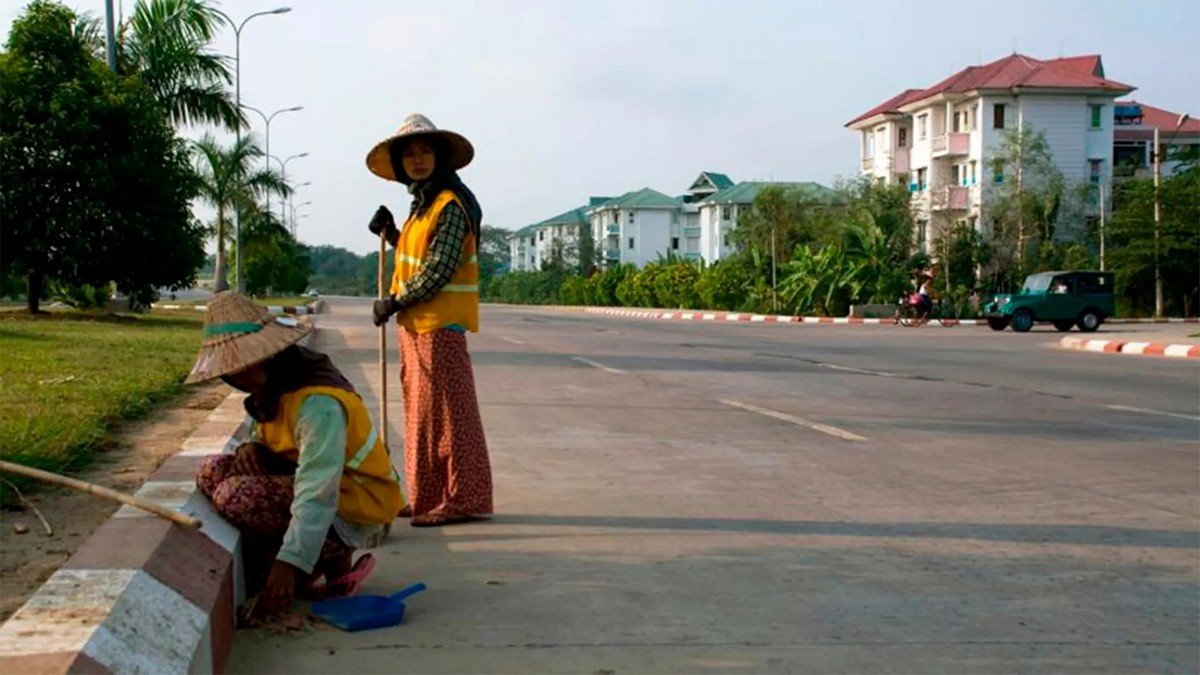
pixel 384 309
pixel 383 222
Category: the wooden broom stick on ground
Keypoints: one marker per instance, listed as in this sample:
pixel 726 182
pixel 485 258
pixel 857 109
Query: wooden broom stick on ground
pixel 91 488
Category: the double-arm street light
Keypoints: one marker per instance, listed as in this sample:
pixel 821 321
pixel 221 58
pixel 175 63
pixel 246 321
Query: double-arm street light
pixel 283 174
pixel 237 95
pixel 294 207
pixel 267 119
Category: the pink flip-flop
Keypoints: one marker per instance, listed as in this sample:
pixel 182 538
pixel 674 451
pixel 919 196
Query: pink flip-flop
pixel 349 584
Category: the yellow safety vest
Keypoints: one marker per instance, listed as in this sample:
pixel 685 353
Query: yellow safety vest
pixel 458 302
pixel 370 489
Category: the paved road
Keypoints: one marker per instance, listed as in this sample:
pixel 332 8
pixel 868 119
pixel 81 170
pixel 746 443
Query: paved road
pixel 681 497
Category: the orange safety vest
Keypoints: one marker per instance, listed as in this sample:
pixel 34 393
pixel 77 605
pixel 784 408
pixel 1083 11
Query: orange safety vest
pixel 369 493
pixel 458 302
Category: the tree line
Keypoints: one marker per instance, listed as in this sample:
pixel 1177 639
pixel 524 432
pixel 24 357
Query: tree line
pixel 861 247
pixel 96 184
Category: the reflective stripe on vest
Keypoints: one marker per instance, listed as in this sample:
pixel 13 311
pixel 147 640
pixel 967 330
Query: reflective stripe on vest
pixel 361 455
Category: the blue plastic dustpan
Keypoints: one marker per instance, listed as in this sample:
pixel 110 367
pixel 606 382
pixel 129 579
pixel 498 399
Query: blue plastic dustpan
pixel 364 612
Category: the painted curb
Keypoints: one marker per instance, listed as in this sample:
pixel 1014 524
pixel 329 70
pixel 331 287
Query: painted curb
pixel 738 317
pixel 1181 350
pixel 313 308
pixel 142 595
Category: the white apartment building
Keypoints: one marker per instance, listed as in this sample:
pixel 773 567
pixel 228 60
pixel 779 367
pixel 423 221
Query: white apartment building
pixel 720 212
pixel 534 244
pixel 1133 138
pixel 939 140
pixel 636 227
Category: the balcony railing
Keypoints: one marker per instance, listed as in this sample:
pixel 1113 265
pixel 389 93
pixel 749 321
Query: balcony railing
pixel 868 164
pixel 691 255
pixel 613 254
pixel 951 144
pixel 613 230
pixel 691 231
pixel 953 198
pixel 900 160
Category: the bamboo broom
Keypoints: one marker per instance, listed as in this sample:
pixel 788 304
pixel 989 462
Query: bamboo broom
pixel 93 489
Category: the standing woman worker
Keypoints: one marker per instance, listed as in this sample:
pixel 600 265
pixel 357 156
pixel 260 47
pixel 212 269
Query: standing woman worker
pixel 435 297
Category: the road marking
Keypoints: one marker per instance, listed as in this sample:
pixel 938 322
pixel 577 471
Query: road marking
pixel 799 421
pixel 861 371
pixel 1160 413
pixel 512 340
pixel 601 366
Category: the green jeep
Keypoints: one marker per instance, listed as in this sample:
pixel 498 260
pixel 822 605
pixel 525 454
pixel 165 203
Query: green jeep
pixel 1065 299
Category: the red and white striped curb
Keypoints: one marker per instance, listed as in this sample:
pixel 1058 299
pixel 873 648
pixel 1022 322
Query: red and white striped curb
pixel 1171 320
pixel 272 309
pixel 735 317
pixel 141 594
pixel 1181 350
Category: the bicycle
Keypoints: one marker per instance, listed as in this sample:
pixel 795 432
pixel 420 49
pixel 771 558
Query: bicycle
pixel 910 312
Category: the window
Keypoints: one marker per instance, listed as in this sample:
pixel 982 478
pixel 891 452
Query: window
pixel 998 172
pixel 1097 167
pixel 631 217
pixel 958 174
pixel 868 145
pixel 973 172
pixel 998 116
pixel 541 235
pixel 902 138
pixel 571 231
pixel 1097 116
pixel 958 121
pixel 675 243
pixel 921 231
pixel 724 213
pixel 922 126
pixel 631 243
pixel 921 179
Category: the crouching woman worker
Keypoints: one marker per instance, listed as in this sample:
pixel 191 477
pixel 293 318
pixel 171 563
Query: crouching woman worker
pixel 315 484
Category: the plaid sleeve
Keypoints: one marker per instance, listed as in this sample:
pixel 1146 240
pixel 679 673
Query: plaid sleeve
pixel 442 259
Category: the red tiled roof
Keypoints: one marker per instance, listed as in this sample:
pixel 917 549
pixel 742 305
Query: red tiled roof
pixel 1083 65
pixel 892 105
pixel 1165 120
pixel 1018 70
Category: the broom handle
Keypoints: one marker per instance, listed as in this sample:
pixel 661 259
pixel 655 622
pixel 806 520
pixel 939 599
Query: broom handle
pixel 383 373
pixel 91 488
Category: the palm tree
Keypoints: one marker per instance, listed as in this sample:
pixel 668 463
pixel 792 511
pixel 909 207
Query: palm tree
pixel 165 42
pixel 231 179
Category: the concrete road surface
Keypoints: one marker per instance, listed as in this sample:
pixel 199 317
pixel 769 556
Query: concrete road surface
pixel 683 497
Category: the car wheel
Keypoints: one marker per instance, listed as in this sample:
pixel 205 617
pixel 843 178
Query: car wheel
pixel 1089 321
pixel 1022 320
pixel 1064 326
pixel 997 324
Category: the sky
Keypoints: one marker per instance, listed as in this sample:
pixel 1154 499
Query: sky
pixel 567 99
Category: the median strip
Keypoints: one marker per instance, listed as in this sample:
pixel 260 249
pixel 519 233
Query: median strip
pixel 1182 350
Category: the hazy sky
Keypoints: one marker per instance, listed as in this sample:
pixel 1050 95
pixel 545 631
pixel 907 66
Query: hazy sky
pixel 573 98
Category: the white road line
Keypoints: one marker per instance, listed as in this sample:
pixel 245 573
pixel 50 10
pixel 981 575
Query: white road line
pixel 799 421
pixel 1160 413
pixel 601 366
pixel 512 340
pixel 861 371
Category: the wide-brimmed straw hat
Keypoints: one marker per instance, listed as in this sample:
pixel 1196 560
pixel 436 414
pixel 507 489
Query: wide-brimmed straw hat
pixel 379 159
pixel 239 334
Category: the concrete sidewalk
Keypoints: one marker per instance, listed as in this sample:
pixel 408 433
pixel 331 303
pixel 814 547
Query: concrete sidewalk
pixel 646 524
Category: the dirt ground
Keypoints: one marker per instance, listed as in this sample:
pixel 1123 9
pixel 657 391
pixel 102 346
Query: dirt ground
pixel 138 448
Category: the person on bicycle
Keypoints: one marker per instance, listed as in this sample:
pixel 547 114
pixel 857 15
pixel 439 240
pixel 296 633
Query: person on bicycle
pixel 924 284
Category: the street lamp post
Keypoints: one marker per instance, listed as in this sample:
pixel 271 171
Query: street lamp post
pixel 237 95
pixel 283 174
pixel 1158 153
pixel 267 119
pixel 293 208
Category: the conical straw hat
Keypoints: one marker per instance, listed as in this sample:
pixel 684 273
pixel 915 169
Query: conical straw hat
pixel 379 159
pixel 239 334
